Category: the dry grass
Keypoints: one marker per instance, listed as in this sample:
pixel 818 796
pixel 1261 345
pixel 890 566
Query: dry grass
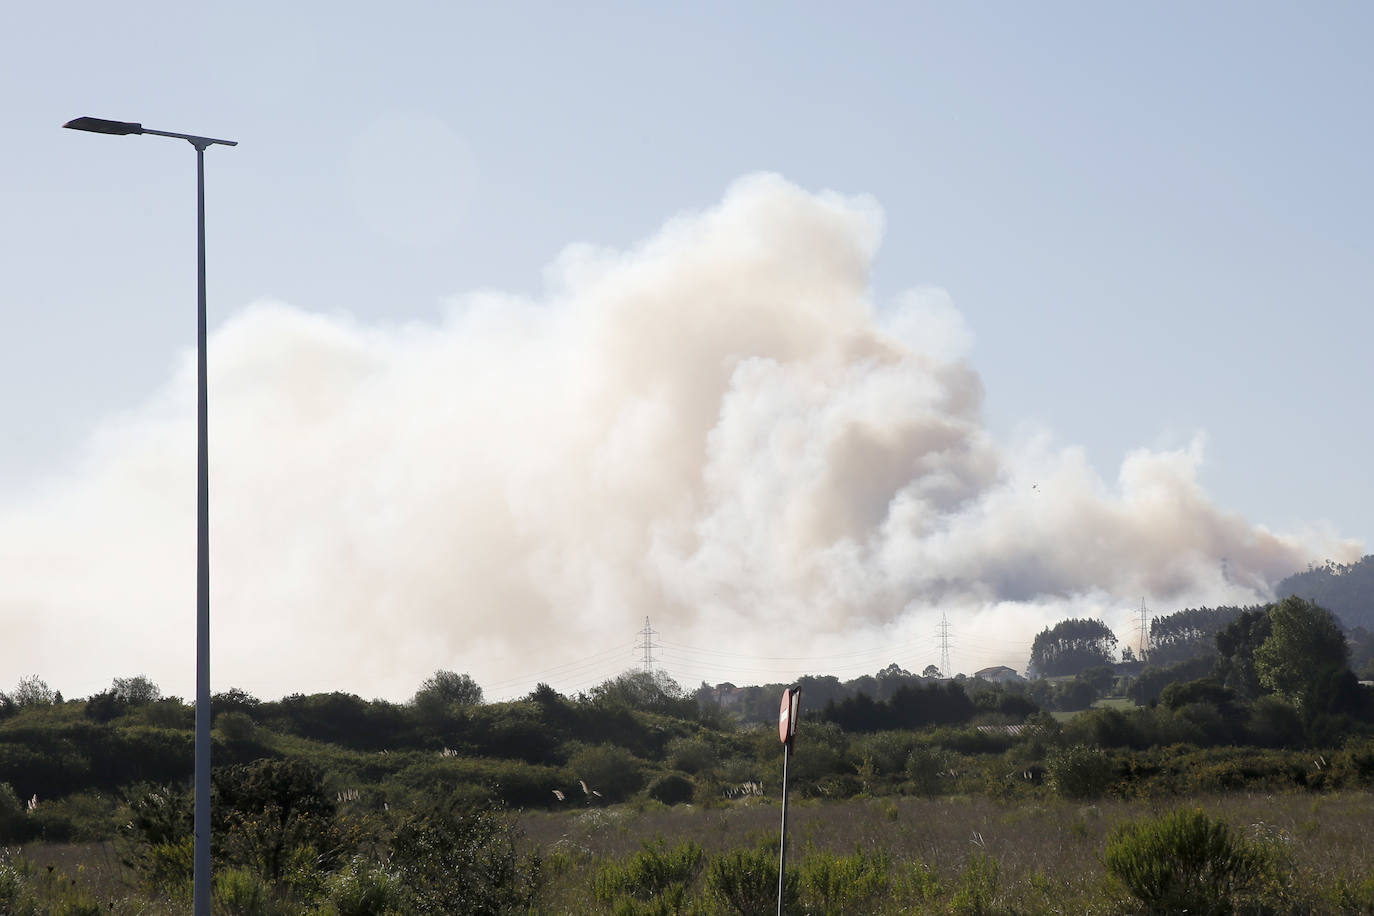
pixel 1047 852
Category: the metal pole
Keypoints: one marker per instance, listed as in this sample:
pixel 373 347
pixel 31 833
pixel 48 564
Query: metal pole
pixel 782 844
pixel 201 857
pixel 201 906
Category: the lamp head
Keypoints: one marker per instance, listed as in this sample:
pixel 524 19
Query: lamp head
pixel 102 126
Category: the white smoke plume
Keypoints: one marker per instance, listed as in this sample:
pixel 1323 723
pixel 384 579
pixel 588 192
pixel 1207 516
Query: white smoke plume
pixel 717 429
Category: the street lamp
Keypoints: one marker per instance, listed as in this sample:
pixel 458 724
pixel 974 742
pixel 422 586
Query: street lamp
pixel 202 821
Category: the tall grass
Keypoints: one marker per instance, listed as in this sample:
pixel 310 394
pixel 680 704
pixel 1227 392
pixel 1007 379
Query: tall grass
pixel 1289 854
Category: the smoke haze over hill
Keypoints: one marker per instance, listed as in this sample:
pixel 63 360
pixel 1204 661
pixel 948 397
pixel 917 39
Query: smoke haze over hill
pixel 718 429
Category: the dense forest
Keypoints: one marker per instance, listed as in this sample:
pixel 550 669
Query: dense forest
pixel 1346 591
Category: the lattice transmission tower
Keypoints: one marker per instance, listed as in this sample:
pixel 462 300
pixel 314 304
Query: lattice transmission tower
pixel 648 646
pixel 944 646
pixel 1143 626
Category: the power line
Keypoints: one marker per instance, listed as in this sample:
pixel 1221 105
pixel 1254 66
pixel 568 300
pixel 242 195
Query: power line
pixel 879 651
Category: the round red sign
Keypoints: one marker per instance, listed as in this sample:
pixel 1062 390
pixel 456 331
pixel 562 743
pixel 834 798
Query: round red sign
pixel 786 726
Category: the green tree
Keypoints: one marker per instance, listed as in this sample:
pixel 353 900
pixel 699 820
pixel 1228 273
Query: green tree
pixel 454 862
pixel 612 772
pixel 1344 590
pixel 235 699
pixel 1187 633
pixel 1236 645
pixel 268 809
pixel 447 690
pixel 643 690
pixel 33 691
pixel 1304 645
pixel 1070 646
pixel 135 691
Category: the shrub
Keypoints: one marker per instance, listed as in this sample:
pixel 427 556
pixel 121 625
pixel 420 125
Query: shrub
pixel 610 770
pixel 362 889
pixel 845 884
pixel 240 892
pixel 654 871
pixel 820 752
pixel 746 881
pixel 1355 763
pixel 14 895
pixel 168 866
pixel 1079 771
pixel 977 888
pixel 14 828
pixel 85 817
pixel 236 727
pixel 888 751
pixel 927 767
pixel 672 789
pixel 1185 862
pixel 836 785
pixel 267 809
pixel 691 755
pixel 430 849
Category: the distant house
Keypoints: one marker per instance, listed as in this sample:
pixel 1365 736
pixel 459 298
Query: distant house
pixel 728 696
pixel 999 674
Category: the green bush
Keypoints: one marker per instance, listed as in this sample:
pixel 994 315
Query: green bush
pixel 240 892
pixel 14 825
pixel 14 896
pixel 1185 862
pixel 691 755
pixel 363 889
pixel 888 751
pixel 928 768
pixel 85 817
pixel 977 892
pixel 264 811
pixel 746 881
pixel 671 789
pixel 1355 763
pixel 236 727
pixel 653 871
pixel 834 885
pixel 835 785
pixel 167 867
pixel 608 769
pixel 1079 771
pixel 430 850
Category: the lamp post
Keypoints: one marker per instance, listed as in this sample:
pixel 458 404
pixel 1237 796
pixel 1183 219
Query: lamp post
pixel 202 768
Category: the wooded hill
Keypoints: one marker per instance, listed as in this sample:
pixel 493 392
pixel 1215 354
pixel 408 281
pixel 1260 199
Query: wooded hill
pixel 1346 591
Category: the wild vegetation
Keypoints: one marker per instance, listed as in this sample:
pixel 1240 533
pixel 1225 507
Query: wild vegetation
pixel 1243 786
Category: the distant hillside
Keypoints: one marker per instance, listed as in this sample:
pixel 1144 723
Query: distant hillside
pixel 1346 591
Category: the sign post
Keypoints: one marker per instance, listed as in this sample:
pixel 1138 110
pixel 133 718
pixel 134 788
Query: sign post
pixel 787 733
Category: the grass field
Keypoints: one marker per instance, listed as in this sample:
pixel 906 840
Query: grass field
pixel 962 856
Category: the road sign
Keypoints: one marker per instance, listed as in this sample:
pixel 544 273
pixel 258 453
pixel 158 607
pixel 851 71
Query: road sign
pixel 787 714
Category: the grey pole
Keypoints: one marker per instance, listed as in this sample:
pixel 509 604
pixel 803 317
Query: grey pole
pixel 782 844
pixel 788 713
pixel 202 822
pixel 201 859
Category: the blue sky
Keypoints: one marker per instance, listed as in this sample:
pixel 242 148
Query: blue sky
pixel 1154 219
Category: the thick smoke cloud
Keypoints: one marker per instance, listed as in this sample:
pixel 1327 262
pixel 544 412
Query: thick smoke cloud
pixel 718 429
